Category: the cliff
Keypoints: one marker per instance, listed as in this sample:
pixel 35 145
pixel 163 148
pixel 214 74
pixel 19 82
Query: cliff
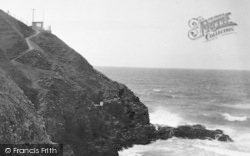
pixel 52 84
pixel 50 93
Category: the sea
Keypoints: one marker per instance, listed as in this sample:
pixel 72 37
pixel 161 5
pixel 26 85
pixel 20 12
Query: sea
pixel 217 99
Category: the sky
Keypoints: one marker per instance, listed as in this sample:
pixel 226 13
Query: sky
pixel 143 33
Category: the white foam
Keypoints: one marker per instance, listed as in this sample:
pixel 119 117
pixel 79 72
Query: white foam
pixel 183 147
pixel 234 118
pixel 223 151
pixel 137 150
pixel 195 147
pixel 242 140
pixel 162 116
pixel 156 90
pixel 241 137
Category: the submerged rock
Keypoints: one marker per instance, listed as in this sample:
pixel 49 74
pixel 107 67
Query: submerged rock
pixel 192 132
pixel 200 132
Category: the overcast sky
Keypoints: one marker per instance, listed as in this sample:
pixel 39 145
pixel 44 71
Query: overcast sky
pixel 143 33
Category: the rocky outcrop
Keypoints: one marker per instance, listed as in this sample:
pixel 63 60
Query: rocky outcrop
pixel 200 132
pixel 51 93
pixel 147 134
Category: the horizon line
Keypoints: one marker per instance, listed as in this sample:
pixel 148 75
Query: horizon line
pixel 171 68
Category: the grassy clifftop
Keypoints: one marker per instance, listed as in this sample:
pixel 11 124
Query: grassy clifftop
pixel 12 35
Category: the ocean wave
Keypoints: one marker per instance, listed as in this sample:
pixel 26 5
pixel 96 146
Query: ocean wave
pixel 162 116
pixel 223 151
pixel 239 106
pixel 240 136
pixel 234 118
pixel 242 140
pixel 140 150
pixel 183 147
pixel 157 93
pixel 169 96
pixel 156 90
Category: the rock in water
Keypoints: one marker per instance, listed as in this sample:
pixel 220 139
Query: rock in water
pixel 200 132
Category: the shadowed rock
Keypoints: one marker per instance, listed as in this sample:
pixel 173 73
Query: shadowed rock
pixel 192 132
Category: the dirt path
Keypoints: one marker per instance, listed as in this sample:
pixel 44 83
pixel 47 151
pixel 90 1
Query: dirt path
pixel 29 43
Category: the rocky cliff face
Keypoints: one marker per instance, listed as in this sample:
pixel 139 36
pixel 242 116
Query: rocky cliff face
pixel 55 92
pixel 48 92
